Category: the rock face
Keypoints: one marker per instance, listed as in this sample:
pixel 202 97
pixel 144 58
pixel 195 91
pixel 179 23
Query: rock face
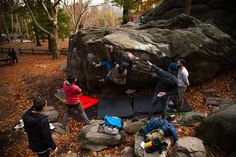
pixel 90 139
pixel 220 13
pixel 189 147
pixel 220 128
pixel 205 47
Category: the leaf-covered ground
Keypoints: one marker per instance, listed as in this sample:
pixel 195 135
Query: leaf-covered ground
pixel 39 75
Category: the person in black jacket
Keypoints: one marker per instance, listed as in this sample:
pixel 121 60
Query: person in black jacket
pixel 13 56
pixel 166 87
pixel 37 128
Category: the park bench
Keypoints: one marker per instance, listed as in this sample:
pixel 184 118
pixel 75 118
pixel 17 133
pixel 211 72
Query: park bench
pixel 33 51
pixel 4 50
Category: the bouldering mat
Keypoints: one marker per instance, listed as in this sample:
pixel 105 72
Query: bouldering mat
pixel 119 106
pixel 142 104
pixel 86 101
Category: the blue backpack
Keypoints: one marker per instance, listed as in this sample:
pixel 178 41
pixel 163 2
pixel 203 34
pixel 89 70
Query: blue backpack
pixel 113 121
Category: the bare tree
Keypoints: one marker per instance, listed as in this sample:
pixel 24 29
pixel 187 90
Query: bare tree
pixel 76 11
pixel 52 13
pixel 188 6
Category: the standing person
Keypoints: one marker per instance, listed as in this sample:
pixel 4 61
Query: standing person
pixel 13 56
pixel 37 128
pixel 72 101
pixel 183 82
pixel 166 87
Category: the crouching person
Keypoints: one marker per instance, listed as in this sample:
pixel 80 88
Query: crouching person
pixel 37 128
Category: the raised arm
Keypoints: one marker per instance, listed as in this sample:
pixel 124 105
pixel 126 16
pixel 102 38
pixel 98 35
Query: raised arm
pixel 160 72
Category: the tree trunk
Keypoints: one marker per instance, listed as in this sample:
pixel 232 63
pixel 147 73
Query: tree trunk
pixel 26 29
pixel 18 27
pixel 53 47
pixel 37 36
pixel 125 15
pixel 6 28
pixel 188 5
pixel 37 39
pixel 12 23
pixel 53 37
pixel 43 38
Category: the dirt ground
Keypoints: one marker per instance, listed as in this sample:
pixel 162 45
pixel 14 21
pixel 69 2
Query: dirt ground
pixel 39 75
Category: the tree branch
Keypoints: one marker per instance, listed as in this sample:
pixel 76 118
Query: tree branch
pixel 56 3
pixel 34 19
pixel 85 8
pixel 45 9
pixel 68 10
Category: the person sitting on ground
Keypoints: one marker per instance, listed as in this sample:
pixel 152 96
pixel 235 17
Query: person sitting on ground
pixel 13 56
pixel 183 82
pixel 37 128
pixel 72 101
pixel 166 86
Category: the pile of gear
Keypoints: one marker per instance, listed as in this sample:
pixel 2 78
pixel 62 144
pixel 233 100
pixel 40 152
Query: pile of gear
pixel 154 134
pixel 111 126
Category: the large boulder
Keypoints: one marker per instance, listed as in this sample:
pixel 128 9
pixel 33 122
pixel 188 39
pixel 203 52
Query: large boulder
pixel 206 48
pixel 91 139
pixel 220 13
pixel 189 147
pixel 220 128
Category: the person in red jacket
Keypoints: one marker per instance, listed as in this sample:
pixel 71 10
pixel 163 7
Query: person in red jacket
pixel 72 92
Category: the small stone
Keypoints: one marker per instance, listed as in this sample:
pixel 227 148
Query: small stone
pixel 218 101
pixel 210 93
pixel 189 147
pixel 133 127
pixel 52 113
pixel 127 152
pixel 192 117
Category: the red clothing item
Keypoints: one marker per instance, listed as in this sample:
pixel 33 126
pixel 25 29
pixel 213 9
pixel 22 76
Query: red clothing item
pixel 71 93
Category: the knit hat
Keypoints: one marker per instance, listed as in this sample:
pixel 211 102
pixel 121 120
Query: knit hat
pixel 173 66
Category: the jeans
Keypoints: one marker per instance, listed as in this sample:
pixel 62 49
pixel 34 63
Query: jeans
pixel 163 100
pixel 69 109
pixel 181 96
pixel 106 65
pixel 45 154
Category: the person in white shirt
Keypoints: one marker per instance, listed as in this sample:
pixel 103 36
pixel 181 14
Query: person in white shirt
pixel 183 82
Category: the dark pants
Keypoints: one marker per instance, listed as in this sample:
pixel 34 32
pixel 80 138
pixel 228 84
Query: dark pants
pixel 14 60
pixel 106 65
pixel 46 154
pixel 69 110
pixel 163 100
